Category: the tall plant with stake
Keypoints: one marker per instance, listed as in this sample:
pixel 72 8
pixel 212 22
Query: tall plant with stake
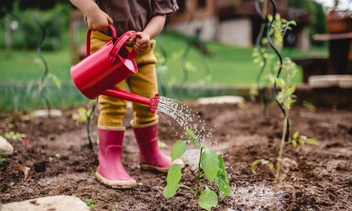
pixel 210 165
pixel 277 28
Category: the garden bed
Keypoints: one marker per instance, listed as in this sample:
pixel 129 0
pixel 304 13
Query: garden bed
pixel 58 154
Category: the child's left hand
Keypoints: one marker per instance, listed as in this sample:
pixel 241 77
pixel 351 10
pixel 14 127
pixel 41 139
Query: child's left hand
pixel 142 41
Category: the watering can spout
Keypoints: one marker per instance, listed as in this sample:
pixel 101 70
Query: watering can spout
pixel 153 103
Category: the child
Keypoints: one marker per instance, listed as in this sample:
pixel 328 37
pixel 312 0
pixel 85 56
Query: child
pixel 147 18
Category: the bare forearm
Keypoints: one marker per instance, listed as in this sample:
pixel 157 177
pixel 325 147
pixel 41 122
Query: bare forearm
pixel 96 18
pixel 155 26
pixel 85 6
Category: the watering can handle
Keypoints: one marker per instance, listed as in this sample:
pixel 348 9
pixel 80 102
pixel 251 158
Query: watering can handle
pixel 119 43
pixel 114 37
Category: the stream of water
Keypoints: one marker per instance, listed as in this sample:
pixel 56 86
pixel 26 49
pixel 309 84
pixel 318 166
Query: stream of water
pixel 185 117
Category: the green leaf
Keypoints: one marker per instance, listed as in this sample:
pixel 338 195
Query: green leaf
pixel 7 135
pixel 265 162
pixel 301 141
pixel 292 22
pixel 173 178
pixel 189 133
pixel 222 169
pixel 291 90
pixel 178 149
pixel 196 143
pixel 254 165
pixel 170 191
pixel 161 144
pixel 210 164
pixel 278 36
pixel 280 82
pixel 294 143
pixel 280 97
pixel 55 79
pixel 295 135
pixel 223 185
pixel 257 60
pixel 174 175
pixel 221 180
pixel 271 166
pixel 208 199
pixel 312 141
pixel 270 17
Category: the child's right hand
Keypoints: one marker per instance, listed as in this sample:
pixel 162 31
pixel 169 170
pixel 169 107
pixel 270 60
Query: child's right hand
pixel 98 20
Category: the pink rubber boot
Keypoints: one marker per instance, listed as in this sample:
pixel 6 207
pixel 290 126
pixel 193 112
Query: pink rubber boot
pixel 110 171
pixel 151 157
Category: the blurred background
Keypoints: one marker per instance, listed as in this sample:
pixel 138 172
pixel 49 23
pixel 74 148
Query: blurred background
pixel 205 49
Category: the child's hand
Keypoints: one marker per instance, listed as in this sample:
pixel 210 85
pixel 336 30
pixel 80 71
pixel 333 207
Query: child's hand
pixel 142 42
pixel 98 20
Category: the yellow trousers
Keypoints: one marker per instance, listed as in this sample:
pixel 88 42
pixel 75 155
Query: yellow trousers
pixel 143 83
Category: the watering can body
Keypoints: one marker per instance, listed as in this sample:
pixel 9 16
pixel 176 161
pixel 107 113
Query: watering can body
pixel 112 63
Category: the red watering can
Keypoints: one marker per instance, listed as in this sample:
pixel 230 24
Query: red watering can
pixel 97 73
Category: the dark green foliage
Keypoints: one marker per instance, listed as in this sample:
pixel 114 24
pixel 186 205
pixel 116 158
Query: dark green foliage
pixel 317 16
pixel 7 6
pixel 27 36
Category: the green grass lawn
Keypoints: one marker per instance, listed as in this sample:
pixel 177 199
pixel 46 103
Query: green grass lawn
pixel 25 66
pixel 227 66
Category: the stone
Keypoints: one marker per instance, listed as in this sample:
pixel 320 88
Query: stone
pixel 45 113
pixel 221 100
pixel 6 148
pixel 57 203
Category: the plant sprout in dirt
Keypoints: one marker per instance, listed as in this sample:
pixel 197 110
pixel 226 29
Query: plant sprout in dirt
pixel 2 160
pixel 210 165
pixel 285 97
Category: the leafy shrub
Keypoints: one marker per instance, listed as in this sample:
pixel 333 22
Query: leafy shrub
pixel 28 34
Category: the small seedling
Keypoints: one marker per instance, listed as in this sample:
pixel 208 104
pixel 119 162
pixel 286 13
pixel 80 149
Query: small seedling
pixel 17 136
pixel 81 115
pixel 308 105
pixel 76 195
pixel 115 207
pixel 2 161
pixel 13 135
pixel 296 138
pixel 263 162
pixel 90 203
pixel 210 165
pixel 162 144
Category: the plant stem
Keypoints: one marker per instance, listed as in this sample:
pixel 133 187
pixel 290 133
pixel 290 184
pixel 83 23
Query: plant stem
pixel 278 168
pixel 198 177
pixel 192 191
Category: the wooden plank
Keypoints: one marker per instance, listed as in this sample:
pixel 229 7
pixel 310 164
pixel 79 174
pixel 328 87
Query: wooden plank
pixel 326 37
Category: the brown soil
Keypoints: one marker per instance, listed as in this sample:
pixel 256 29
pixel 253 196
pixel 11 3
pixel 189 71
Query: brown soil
pixel 63 164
